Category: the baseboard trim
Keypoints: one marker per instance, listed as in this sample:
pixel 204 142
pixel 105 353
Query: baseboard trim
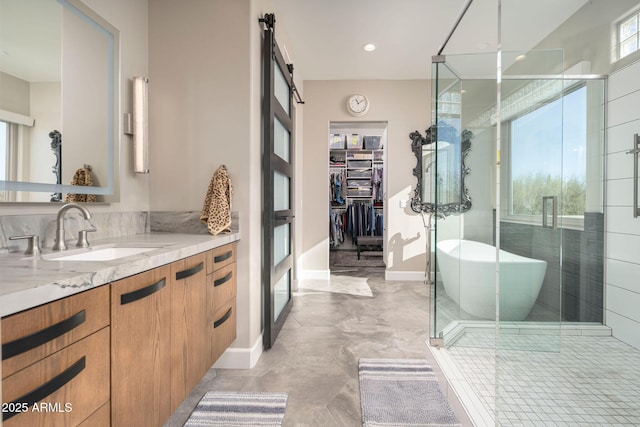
pixel 404 275
pixel 314 274
pixel 240 358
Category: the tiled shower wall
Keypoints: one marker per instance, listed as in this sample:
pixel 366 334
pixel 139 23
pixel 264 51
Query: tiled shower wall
pixel 622 260
pixel 581 274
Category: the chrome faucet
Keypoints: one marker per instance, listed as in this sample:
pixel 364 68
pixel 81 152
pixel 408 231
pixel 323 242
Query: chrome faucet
pixel 59 244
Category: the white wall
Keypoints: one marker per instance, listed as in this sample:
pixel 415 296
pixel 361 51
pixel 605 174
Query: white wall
pixel 405 105
pixel 622 292
pixel 205 110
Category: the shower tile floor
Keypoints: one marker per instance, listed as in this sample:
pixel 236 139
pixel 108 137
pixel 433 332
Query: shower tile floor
pixel 581 380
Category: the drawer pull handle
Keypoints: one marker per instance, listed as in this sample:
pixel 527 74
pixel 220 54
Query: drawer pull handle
pixel 223 280
pixel 222 319
pixel 189 272
pixel 223 257
pixel 47 388
pixel 142 292
pixel 24 344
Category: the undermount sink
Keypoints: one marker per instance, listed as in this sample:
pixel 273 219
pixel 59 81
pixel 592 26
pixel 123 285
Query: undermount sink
pixel 99 254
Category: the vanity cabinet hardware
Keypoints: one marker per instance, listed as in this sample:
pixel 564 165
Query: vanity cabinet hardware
pixel 223 257
pixel 33 243
pixel 142 292
pixel 223 319
pixel 189 272
pixel 47 388
pixel 223 280
pixel 24 344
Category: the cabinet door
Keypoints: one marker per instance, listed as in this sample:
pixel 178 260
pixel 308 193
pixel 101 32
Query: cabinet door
pixel 61 390
pixel 221 257
pixel 190 342
pixel 224 328
pixel 140 342
pixel 31 335
pixel 222 286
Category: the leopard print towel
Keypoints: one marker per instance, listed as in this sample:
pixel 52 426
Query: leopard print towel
pixel 81 177
pixel 216 210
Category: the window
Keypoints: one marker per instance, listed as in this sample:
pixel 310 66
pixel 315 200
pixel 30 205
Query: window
pixel 628 35
pixel 548 156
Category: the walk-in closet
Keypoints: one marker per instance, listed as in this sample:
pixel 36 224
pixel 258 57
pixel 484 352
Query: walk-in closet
pixel 357 181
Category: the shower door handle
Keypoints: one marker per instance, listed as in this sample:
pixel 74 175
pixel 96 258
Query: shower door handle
pixel 635 151
pixel 554 212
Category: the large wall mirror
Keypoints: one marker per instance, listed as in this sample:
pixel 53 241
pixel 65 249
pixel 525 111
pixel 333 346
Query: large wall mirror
pixel 59 100
pixel 441 170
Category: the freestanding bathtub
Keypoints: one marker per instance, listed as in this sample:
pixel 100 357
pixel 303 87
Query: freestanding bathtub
pixel 468 272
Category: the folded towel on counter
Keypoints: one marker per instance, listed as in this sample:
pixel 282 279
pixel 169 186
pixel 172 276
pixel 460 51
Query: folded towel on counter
pixel 81 177
pixel 216 209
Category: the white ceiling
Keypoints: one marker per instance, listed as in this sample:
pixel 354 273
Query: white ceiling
pixel 325 37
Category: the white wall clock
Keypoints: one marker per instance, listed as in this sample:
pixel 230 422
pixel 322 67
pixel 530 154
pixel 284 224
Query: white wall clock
pixel 358 105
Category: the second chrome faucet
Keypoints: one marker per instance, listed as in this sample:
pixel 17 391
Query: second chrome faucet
pixel 59 244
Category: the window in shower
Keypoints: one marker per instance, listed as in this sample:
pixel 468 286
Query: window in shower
pixel 548 156
pixel 628 35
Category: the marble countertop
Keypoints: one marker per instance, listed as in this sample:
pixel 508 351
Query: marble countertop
pixel 28 281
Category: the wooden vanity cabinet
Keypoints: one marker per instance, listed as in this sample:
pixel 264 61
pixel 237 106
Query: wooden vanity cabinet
pixel 56 362
pixel 221 298
pixel 140 349
pixel 190 343
pixel 123 354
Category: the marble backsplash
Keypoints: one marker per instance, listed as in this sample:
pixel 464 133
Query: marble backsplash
pixel 107 225
pixel 183 222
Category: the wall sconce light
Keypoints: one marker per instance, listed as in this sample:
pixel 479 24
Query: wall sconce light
pixel 137 125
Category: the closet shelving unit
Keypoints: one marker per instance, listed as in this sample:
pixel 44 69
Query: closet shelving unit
pixel 358 160
pixel 359 166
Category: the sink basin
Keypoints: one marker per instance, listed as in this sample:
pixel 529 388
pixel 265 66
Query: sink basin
pixel 103 254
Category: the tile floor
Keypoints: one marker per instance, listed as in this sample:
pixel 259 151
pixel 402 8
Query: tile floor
pixel 586 381
pixel 315 358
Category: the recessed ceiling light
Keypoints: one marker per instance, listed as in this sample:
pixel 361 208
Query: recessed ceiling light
pixel 521 57
pixel 369 47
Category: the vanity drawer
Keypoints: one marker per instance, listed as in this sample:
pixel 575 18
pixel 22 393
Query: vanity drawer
pixel 221 257
pixel 32 335
pixel 224 328
pixel 68 386
pixel 100 418
pixel 222 286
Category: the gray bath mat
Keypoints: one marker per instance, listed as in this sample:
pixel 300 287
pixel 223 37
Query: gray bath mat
pixel 402 392
pixel 227 409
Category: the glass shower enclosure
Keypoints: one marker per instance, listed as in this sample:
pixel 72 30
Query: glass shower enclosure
pixel 526 258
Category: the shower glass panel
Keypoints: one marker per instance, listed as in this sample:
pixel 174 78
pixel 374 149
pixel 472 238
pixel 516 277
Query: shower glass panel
pixel 538 115
pixel 446 86
pixel 464 91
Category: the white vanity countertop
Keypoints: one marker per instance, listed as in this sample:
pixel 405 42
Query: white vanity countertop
pixel 26 282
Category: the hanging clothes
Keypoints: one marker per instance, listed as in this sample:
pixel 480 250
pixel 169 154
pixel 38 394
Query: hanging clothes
pixel 336 228
pixel 363 220
pixel 337 184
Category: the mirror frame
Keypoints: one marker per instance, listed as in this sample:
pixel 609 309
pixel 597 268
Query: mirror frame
pixel 445 209
pixel 113 36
